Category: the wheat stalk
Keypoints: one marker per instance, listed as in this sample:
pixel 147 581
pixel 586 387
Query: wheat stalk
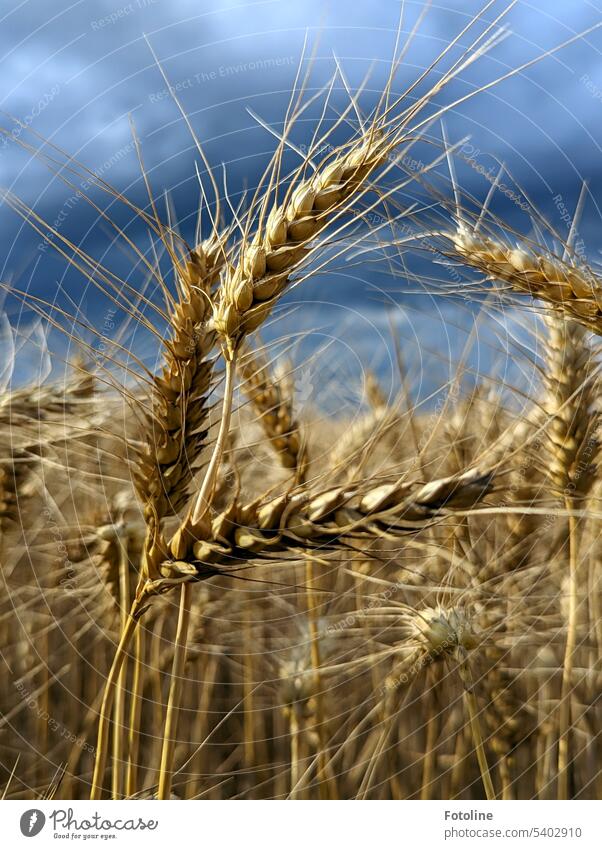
pixel 175 432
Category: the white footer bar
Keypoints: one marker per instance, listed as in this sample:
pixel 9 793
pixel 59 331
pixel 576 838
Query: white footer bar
pixel 303 825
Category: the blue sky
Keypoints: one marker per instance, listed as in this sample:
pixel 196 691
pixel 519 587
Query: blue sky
pixel 74 72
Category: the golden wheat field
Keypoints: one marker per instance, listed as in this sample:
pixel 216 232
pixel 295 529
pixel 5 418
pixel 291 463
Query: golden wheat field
pixel 213 588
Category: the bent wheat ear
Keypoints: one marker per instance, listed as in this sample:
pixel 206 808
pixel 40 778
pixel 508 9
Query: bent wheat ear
pixel 327 519
pixel 572 290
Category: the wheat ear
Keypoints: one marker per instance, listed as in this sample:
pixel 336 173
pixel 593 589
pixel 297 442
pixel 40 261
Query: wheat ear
pixel 272 398
pixel 176 424
pixel 572 392
pixel 571 289
pixel 324 519
pixel 284 237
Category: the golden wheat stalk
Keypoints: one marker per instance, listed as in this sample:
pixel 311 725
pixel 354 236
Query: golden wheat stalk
pixel 171 444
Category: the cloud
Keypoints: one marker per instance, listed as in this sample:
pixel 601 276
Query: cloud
pixel 75 71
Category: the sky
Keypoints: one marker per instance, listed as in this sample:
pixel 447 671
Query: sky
pixel 80 74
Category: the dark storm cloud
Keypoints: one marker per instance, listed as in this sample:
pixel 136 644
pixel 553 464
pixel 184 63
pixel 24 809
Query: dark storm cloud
pixel 73 72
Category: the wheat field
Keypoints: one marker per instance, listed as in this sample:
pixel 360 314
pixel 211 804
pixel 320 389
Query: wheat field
pixel 212 589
